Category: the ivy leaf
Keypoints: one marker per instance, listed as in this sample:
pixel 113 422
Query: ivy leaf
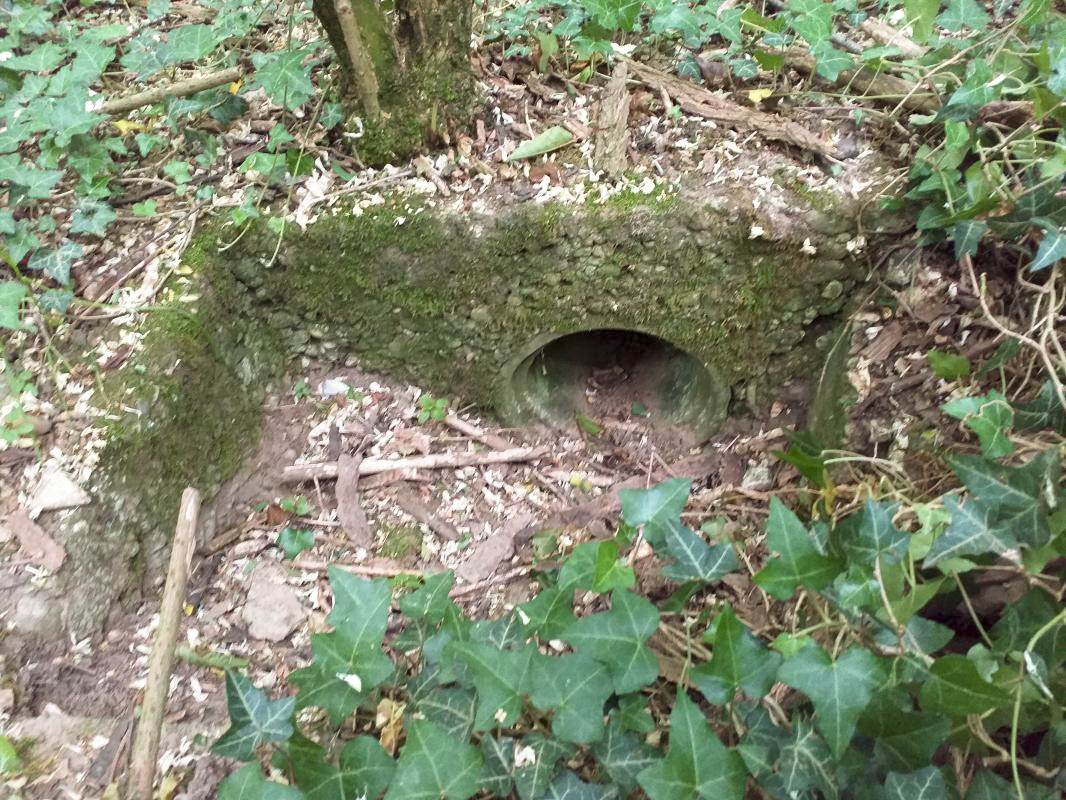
pixel 434 765
pixel 739 661
pixel 839 690
pixel 451 708
pixel 903 740
pixel 254 719
pixel 365 769
pixel 349 661
pixel 697 763
pixel 829 61
pixel 870 534
pixel 284 77
pixel 567 786
pixel 971 532
pixel 35 183
pixel 923 13
pixel 1043 411
pixel 611 571
pixel 248 783
pixel 360 607
pixel 1023 619
pixel 342 674
pixel 654 508
pixel 56 262
pixel 1052 246
pixel 92 216
pixel 44 57
pixel 575 687
pixel 947 366
pixel 616 638
pixel 549 613
pixel 536 763
pixel 596 565
pixel 91 61
pixel 496 776
pixel 294 541
pixel 12 293
pixel 813 20
pixel 967 234
pixel 189 43
pixel 963 14
pixel 693 558
pixel 805 764
pixel 800 561
pixel 623 755
pixel 501 677
pixel 954 687
pixel 990 417
pixel 1016 497
pixel 430 601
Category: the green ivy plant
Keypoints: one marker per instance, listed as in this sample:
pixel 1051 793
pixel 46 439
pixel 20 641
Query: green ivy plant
pixel 59 66
pixel 431 408
pixel 989 165
pixel 545 702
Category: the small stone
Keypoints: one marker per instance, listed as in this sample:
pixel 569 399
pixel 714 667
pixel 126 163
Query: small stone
pixel 833 290
pixel 272 609
pixel 36 615
pixel 757 478
pixel 56 490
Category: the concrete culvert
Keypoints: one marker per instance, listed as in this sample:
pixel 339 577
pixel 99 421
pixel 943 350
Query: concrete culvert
pixel 607 372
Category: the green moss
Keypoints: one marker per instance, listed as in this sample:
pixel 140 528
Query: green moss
pixel 400 541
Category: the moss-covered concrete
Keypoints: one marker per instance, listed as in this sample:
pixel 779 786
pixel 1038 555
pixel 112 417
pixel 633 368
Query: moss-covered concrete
pixel 743 280
pixel 183 413
pixel 447 299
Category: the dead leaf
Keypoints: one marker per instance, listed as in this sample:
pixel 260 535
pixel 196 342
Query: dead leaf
pixel 349 511
pixel 38 546
pixel 276 515
pixel 409 440
pixel 881 348
pixel 389 721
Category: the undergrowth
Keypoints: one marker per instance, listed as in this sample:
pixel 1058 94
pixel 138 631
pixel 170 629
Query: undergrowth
pixel 591 690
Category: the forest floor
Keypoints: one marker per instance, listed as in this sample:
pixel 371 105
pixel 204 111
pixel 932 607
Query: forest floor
pixel 495 524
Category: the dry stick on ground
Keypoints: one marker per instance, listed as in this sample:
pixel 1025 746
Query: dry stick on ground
pixel 876 84
pixel 695 99
pixel 146 737
pixel 465 428
pixel 200 83
pixel 372 466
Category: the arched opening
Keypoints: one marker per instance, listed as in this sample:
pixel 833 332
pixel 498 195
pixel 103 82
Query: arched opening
pixel 612 374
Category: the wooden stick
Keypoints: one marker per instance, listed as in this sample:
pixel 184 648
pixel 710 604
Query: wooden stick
pixel 372 466
pixel 465 428
pixel 146 737
pixel 121 105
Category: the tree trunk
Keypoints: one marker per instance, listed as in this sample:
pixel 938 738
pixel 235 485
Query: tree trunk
pixel 420 57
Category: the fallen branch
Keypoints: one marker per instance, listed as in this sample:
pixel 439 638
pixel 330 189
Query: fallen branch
pixel 146 737
pixel 465 428
pixel 695 99
pixel 372 466
pixel 184 88
pixel 877 85
pixel 414 506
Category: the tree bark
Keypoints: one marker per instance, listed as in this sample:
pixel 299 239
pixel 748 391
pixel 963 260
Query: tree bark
pixel 420 59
